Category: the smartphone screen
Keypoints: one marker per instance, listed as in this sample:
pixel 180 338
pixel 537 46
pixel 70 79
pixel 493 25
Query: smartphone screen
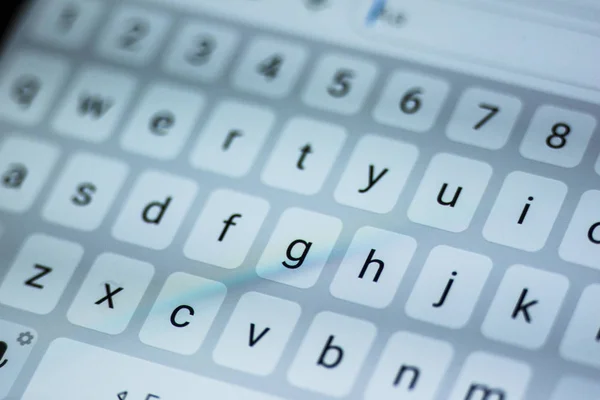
pixel 300 199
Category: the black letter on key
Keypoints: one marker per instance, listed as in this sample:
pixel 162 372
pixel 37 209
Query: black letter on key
pixel 109 295
pixel 161 122
pixel 232 134
pixel 525 211
pixel 591 232
pixel 299 259
pixel 522 307
pixel 160 207
pixel 372 178
pixel 442 300
pixel 25 90
pixel 415 376
pixel 33 281
pixel 451 203
pixel 83 197
pixel 304 151
pixel 370 260
pixel 337 358
pixel 228 222
pixel 94 105
pixel 254 339
pixel 14 177
pixel 176 311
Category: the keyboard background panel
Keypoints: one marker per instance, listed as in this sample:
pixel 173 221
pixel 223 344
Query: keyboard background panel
pixel 546 363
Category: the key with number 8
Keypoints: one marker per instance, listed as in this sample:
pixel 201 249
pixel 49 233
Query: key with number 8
pixel 558 136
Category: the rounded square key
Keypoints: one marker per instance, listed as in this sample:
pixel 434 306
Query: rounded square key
pixel 376 174
pixel 340 84
pixel 299 248
pixel 411 101
pixel 183 313
pixel 257 334
pixel 40 273
pixel 86 189
pixel 110 293
pixel 226 228
pixel 66 23
pixel 156 207
pixel 580 342
pixel 201 51
pixel 331 354
pixel 28 84
pixel 25 165
pixel 133 35
pixel 484 118
pixel 581 243
pixel 94 104
pixel 270 67
pixel 558 136
pixel 304 155
pixel 229 146
pixel 486 376
pixel 163 120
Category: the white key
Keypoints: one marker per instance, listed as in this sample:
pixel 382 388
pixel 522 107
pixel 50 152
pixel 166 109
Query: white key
pixel 558 136
pixel 226 228
pixel 376 174
pixel 28 85
pixel 411 101
pixel 163 121
pixel 67 23
pixel 581 341
pixel 373 267
pixel 154 210
pixel 487 376
pixel 95 102
pixel 133 35
pixel 525 210
pixel 73 370
pixel 110 293
pixel 581 243
pixel 448 287
pixel 583 389
pixel 525 307
pixel 183 313
pixel 304 155
pixel 229 146
pixel 340 84
pixel 85 191
pixel 201 51
pixel 257 333
pixel 299 247
pixel 24 168
pixel 332 354
pixel 450 192
pixel 411 368
pixel 484 118
pixel 40 273
pixel 270 67
pixel 16 343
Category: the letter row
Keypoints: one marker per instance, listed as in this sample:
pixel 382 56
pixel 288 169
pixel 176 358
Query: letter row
pixel 335 347
pixel 447 197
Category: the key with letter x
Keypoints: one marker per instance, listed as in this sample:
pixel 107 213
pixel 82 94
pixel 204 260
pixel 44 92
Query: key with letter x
pixel 110 293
